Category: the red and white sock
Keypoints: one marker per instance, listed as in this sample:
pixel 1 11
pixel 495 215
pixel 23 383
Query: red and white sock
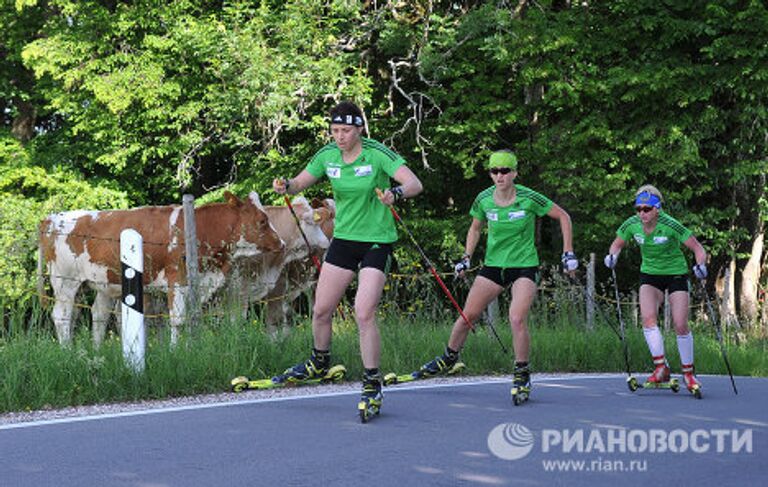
pixel 685 347
pixel 654 340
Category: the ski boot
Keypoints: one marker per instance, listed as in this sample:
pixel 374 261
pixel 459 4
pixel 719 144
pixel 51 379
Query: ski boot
pixel 691 382
pixel 371 398
pixel 521 384
pixel 441 365
pixel 660 378
pixel 446 364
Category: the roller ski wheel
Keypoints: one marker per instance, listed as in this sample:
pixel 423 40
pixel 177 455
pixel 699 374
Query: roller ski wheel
pixel 368 408
pixel 696 391
pixel 334 374
pixel 632 384
pixel 521 385
pixel 371 399
pixel 520 394
pixel 691 382
pixel 392 378
pixel 672 385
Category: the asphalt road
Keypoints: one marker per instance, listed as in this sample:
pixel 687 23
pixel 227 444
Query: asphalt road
pixel 577 430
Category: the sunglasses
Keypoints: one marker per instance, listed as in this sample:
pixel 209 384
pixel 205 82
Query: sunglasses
pixel 644 209
pixel 500 170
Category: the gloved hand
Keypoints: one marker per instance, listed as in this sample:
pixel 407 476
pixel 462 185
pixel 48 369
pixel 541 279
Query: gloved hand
pixel 280 185
pixel 700 271
pixel 570 263
pixel 461 265
pixel 610 260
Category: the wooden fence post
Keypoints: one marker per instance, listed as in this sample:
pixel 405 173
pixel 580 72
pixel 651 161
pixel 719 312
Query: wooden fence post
pixel 192 306
pixel 635 309
pixel 590 295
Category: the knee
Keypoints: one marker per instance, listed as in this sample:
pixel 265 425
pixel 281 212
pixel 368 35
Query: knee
pixel 364 316
pixel 517 321
pixel 322 312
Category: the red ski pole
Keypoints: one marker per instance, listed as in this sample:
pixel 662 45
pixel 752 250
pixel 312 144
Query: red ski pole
pixel 435 274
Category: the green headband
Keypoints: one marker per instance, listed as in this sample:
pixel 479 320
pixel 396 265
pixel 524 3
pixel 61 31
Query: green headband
pixel 503 159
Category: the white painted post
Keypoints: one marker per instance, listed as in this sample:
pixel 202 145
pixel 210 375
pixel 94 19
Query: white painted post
pixel 132 330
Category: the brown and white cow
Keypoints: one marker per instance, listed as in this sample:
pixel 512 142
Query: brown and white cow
pixel 297 270
pixel 82 247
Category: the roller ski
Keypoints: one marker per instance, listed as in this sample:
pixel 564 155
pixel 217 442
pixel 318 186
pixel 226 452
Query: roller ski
pixel 660 378
pixel 315 370
pixel 691 382
pixel 521 385
pixel 442 365
pixel 371 398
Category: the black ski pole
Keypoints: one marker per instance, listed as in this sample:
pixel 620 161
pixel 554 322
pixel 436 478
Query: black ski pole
pixel 437 277
pixel 719 334
pixel 631 381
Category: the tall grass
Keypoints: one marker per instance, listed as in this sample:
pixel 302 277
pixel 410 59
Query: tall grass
pixel 37 373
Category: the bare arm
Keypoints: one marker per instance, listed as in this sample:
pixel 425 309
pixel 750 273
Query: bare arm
pixel 616 246
pixel 566 228
pixel 473 237
pixel 697 249
pixel 410 185
pixel 295 185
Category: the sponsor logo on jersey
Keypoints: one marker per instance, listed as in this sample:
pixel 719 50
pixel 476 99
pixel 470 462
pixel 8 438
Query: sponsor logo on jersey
pixel 363 171
pixel 492 216
pixel 516 215
pixel 640 239
pixel 660 240
pixel 333 172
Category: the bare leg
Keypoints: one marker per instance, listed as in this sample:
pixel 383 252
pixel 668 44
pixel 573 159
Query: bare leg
pixel 482 292
pixel 523 293
pixel 370 287
pixel 331 285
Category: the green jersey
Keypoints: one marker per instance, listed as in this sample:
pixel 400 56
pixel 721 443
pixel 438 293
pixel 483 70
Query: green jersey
pixel 660 249
pixel 511 228
pixel 360 216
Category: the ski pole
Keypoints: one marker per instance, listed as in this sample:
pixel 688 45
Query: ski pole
pixel 315 259
pixel 437 277
pixel 719 334
pixel 631 381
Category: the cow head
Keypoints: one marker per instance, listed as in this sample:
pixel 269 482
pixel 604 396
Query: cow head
pixel 315 223
pixel 324 214
pixel 256 234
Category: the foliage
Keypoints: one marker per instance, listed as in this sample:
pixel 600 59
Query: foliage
pixel 128 103
pixel 39 374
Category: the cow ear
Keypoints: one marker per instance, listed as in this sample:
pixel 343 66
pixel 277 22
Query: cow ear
pixel 330 204
pixel 253 196
pixel 231 199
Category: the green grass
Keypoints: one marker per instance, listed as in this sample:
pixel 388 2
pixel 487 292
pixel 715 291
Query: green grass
pixel 37 373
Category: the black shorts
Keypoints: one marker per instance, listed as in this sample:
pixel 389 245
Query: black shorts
pixel 504 276
pixel 673 283
pixel 353 255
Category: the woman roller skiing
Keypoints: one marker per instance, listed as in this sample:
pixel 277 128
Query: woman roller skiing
pixel 511 262
pixel 362 241
pixel 663 268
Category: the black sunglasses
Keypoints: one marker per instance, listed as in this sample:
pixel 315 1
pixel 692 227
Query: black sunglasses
pixel 644 209
pixel 500 170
